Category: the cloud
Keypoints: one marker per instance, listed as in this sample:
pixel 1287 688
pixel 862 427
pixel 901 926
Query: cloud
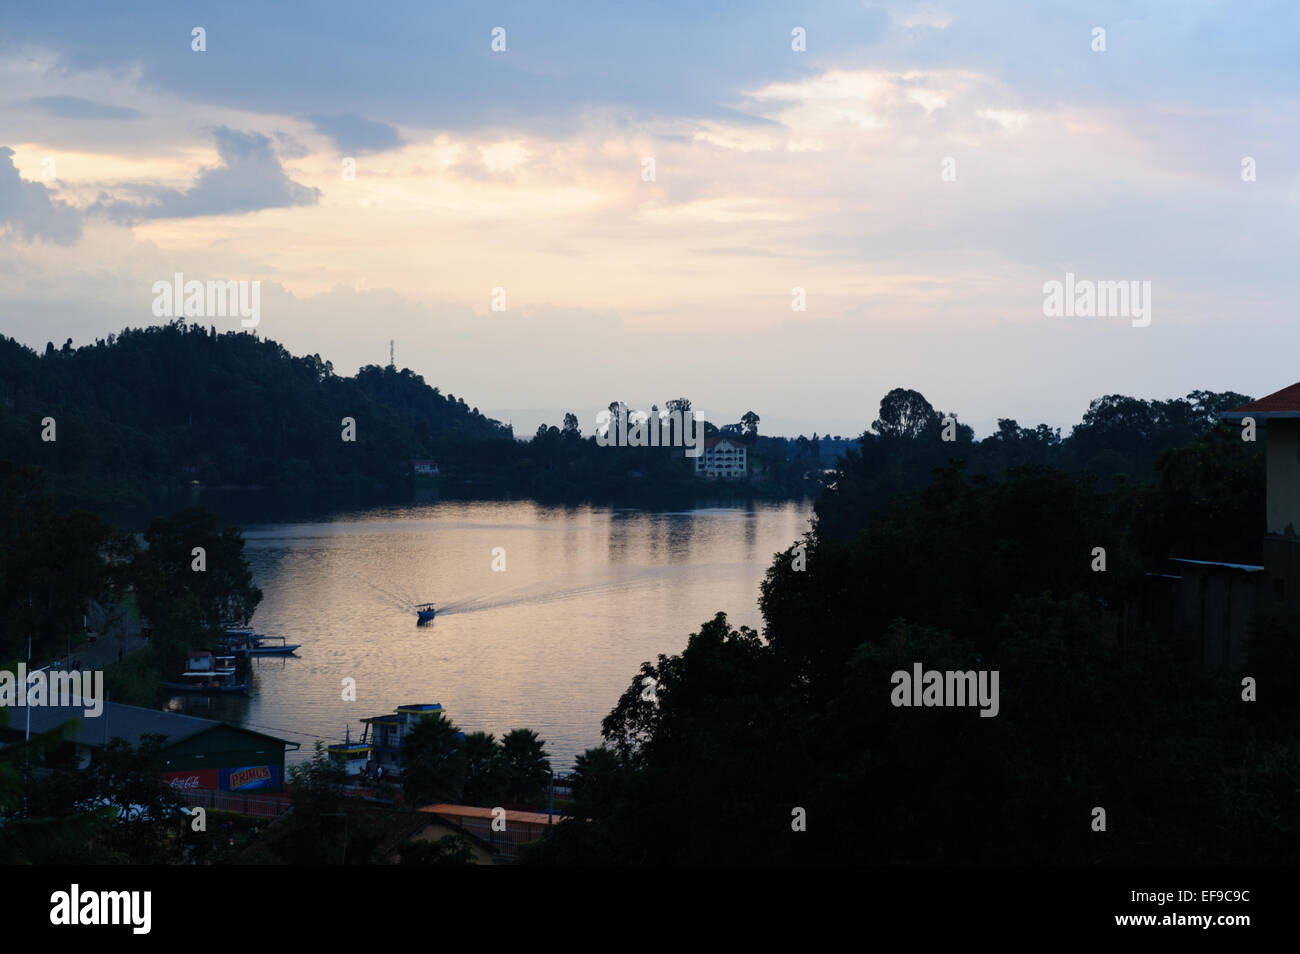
pixel 355 136
pixel 26 207
pixel 74 107
pixel 288 146
pixel 442 74
pixel 251 178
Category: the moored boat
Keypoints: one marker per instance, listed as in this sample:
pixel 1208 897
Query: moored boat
pixel 212 687
pixel 208 674
pixel 351 757
pixel 242 643
pixel 267 646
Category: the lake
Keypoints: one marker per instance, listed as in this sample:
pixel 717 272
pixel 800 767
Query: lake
pixel 587 594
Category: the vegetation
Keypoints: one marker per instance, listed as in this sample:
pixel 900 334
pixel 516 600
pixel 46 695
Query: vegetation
pixel 118 811
pixel 441 764
pixel 927 546
pixel 746 740
pixel 53 563
pixel 447 850
pixel 324 826
pixel 167 405
pixel 140 415
pixel 1120 441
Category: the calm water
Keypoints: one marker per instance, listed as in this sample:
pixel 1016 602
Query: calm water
pixel 588 593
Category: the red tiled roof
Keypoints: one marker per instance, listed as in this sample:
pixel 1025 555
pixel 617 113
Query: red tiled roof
pixel 1279 403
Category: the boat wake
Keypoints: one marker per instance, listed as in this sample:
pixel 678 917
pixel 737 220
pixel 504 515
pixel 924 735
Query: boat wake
pixel 404 603
pixel 538 594
pixel 534 594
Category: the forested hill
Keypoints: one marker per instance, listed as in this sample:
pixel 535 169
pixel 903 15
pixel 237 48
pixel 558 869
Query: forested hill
pixel 179 402
pixel 153 409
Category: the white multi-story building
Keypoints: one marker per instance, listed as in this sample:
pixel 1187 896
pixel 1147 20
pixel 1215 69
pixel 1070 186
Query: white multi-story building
pixel 723 457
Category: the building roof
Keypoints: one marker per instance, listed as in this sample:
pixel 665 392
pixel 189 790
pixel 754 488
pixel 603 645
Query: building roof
pixel 711 442
pixel 117 721
pixel 474 811
pixel 1281 404
pixel 1245 567
pixel 415 708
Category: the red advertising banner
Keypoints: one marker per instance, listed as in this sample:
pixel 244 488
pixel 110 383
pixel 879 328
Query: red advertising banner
pixel 194 778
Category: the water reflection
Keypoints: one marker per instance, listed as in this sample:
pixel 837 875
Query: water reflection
pixel 588 593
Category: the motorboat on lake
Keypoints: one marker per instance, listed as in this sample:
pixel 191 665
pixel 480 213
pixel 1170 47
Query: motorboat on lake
pixel 424 612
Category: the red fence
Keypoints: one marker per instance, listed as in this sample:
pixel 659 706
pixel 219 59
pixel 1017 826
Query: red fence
pixel 260 806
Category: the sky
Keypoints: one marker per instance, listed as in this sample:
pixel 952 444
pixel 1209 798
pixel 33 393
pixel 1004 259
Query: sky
pixel 920 171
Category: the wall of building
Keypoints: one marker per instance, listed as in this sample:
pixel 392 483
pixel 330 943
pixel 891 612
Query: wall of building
pixel 1282 564
pixel 433 832
pixel 1283 453
pixel 1216 604
pixel 725 459
pixel 226 759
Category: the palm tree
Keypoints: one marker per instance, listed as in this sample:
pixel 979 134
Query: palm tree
pixel 597 777
pixel 433 761
pixel 528 766
pixel 485 769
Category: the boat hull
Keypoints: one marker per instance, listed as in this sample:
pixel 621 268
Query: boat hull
pixel 205 690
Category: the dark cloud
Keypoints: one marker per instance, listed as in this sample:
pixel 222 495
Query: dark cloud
pixel 439 72
pixel 355 135
pixel 74 107
pixel 27 209
pixel 249 179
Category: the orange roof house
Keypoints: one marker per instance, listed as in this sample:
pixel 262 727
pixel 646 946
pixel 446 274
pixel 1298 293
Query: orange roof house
pixel 1278 415
pixel 1279 404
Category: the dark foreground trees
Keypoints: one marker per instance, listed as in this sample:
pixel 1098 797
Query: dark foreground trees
pixel 791 749
pixel 442 764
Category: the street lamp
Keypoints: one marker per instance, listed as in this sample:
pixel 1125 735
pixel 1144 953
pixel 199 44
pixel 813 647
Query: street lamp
pixel 27 703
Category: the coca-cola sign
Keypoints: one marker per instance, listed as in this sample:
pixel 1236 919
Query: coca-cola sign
pixel 192 779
